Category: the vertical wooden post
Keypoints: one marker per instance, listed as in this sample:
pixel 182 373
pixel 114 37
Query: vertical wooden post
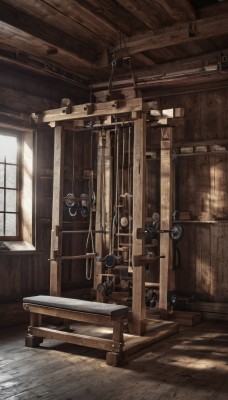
pixel 57 209
pixel 103 201
pixel 139 172
pixel 166 273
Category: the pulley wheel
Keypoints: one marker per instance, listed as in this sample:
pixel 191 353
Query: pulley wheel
pixel 177 232
pixel 69 202
pixel 72 211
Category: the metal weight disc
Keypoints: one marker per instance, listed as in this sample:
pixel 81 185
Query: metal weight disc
pixel 177 232
pixel 73 211
pixel 70 203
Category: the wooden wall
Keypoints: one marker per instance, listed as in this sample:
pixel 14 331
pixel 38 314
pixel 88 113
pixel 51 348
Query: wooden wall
pixel 201 189
pixel 26 273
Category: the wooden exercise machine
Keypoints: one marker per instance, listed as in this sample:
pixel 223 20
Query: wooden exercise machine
pixel 106 116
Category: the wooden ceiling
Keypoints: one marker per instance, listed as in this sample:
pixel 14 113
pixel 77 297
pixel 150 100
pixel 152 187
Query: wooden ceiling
pixel 146 43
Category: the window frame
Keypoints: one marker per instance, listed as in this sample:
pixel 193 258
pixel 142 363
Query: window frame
pixel 18 164
pixel 27 141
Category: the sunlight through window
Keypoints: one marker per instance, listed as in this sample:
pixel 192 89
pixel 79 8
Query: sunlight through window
pixel 8 185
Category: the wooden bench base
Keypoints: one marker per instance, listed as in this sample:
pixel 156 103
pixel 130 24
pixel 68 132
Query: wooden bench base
pixel 114 347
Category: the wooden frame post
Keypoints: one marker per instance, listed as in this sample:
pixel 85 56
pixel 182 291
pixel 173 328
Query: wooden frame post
pixel 103 201
pixel 57 210
pixel 137 326
pixel 166 273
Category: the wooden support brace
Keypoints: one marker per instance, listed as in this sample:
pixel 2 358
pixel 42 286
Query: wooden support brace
pixel 137 325
pixel 57 205
pixel 166 278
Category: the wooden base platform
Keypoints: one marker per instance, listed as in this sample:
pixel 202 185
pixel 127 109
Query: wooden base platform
pixel 156 330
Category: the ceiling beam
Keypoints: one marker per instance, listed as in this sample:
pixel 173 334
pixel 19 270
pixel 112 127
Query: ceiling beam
pixel 213 9
pixel 79 12
pixel 178 10
pixel 215 62
pixel 188 63
pixel 55 38
pixel 178 34
pixel 150 19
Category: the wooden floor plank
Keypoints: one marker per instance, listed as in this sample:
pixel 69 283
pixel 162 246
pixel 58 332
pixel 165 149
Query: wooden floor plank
pixel 190 364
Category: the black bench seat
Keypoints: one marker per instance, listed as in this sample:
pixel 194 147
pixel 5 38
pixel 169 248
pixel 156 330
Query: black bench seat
pixel 111 310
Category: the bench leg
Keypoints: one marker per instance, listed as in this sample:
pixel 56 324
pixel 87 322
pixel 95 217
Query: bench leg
pixel 30 340
pixel 115 359
pixel 112 358
pixel 118 327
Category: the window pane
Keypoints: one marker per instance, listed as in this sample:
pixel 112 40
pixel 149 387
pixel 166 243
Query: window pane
pixel 8 148
pixel 11 176
pixel 11 200
pixel 1 199
pixel 1 225
pixel 1 175
pixel 11 225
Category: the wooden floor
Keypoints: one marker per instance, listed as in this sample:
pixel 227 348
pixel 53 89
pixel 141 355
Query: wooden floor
pixel 190 365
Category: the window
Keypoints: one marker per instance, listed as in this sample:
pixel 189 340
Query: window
pixel 17 189
pixel 9 185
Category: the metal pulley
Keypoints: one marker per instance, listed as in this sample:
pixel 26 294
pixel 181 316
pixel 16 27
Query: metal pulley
pixel 76 204
pixel 151 232
pixel 70 200
pixel 111 260
pixel 176 233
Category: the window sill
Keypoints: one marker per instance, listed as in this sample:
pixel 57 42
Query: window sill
pixel 17 247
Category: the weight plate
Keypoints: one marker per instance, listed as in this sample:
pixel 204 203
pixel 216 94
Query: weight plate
pixel 70 203
pixel 72 211
pixel 177 232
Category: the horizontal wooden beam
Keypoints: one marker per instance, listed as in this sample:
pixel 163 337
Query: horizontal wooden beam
pixel 84 111
pixel 13 21
pixel 179 34
pixel 80 340
pixel 150 19
pixel 178 10
pixel 190 66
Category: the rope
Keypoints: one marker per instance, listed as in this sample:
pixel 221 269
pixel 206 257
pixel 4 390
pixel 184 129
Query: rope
pixel 130 192
pixel 90 262
pixel 72 183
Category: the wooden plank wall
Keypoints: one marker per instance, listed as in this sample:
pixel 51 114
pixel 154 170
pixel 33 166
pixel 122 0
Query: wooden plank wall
pixel 202 187
pixel 24 274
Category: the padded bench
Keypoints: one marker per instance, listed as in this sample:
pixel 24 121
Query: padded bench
pixel 77 310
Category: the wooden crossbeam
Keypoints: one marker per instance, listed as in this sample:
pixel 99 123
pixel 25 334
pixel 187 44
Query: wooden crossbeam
pixel 84 111
pixel 22 24
pixel 179 34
